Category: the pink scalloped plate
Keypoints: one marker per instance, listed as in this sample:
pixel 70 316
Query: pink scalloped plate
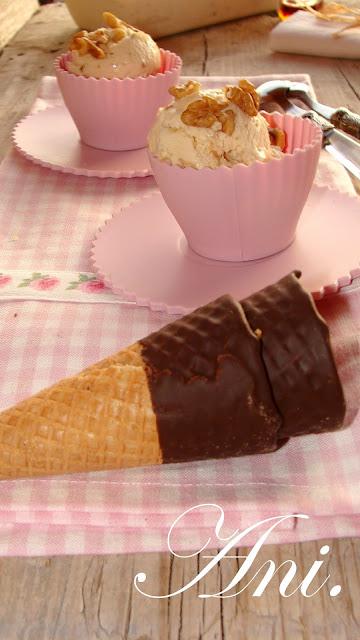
pixel 142 255
pixel 50 138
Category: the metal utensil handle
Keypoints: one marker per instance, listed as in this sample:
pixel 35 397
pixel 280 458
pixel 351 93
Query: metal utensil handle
pixel 347 121
pixel 346 149
pixel 326 126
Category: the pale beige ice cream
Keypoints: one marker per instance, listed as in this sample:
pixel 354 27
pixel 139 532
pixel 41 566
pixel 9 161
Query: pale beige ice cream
pixel 208 128
pixel 115 51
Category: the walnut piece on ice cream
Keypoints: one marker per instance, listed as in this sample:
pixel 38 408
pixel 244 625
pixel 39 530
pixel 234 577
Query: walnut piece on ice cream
pixel 203 112
pixel 227 119
pixel 277 138
pixel 192 86
pixel 244 98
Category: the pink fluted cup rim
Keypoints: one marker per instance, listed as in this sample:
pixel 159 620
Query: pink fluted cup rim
pixel 271 119
pixel 59 64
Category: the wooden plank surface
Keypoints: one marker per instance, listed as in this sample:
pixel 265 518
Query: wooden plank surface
pixel 88 597
pixel 14 15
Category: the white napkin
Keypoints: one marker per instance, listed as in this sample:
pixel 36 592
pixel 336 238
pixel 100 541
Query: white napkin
pixel 304 33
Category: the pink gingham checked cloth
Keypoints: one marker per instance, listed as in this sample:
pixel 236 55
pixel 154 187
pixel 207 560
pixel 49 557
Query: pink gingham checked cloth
pixel 47 222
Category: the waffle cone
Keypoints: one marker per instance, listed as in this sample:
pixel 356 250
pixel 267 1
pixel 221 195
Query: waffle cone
pixel 229 379
pixel 99 419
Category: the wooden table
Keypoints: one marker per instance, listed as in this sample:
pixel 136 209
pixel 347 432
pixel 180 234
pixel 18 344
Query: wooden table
pixel 88 597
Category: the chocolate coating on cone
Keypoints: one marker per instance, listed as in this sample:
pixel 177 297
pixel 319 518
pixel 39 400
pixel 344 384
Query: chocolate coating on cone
pixel 298 358
pixel 209 387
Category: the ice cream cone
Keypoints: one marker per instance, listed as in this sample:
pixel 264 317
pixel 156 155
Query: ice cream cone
pixel 135 408
pixel 204 386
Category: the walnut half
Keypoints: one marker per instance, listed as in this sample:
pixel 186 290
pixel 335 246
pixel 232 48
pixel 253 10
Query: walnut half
pixel 277 138
pixel 244 96
pixel 227 119
pixel 183 90
pixel 94 49
pixel 248 86
pixel 202 113
pixel 111 20
pixel 79 44
pixel 119 33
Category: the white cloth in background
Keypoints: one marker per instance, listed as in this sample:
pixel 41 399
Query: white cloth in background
pixel 305 34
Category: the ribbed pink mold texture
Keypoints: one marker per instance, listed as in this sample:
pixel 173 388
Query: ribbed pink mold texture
pixel 116 115
pixel 244 212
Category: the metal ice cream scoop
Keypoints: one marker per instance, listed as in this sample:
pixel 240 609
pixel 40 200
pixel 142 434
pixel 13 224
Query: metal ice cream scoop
pixel 343 148
pixel 341 118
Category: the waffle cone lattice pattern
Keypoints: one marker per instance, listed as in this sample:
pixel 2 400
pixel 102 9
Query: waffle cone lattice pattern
pixel 99 419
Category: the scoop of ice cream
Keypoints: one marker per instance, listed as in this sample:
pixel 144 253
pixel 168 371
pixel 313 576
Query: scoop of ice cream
pixel 114 51
pixel 211 128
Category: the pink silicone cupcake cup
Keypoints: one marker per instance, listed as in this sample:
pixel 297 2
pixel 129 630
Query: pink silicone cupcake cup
pixel 244 212
pixel 116 115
